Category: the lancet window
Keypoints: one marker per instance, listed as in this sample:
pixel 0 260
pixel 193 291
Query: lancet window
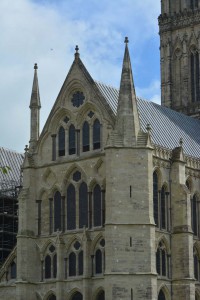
pixel 196 264
pixel 195 215
pixel 161 295
pixel 61 142
pixel 77 296
pixel 75 261
pixel 101 295
pixel 162 260
pixel 195 84
pixel 57 211
pixel 50 263
pixel 99 258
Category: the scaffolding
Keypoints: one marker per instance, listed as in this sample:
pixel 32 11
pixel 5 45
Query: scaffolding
pixel 8 218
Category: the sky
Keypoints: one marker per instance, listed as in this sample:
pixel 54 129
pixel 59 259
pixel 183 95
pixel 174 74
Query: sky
pixel 46 32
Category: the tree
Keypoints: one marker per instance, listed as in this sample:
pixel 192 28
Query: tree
pixel 5 169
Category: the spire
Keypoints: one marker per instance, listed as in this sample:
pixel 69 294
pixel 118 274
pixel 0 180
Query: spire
pixel 35 106
pixel 127 123
pixel 35 95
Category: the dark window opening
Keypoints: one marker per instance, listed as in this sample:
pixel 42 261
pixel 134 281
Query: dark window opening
pixel 96 135
pixel 72 140
pixel 161 296
pixel 80 263
pixel 47 264
pixel 13 270
pixel 72 264
pixel 194 60
pixel 77 99
pixel 52 297
pixel 57 211
pixel 163 208
pixel 83 205
pixel 98 262
pixel 161 260
pixel 97 206
pixel 71 207
pixel 155 197
pixel 55 266
pixel 194 4
pixel 61 142
pixel 77 296
pixel 86 137
pixel 101 296
pixel 195 219
pixel 77 176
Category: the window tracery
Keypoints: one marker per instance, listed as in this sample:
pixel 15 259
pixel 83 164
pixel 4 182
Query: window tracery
pixel 195 215
pixel 99 258
pixel 162 260
pixel 75 260
pixel 50 263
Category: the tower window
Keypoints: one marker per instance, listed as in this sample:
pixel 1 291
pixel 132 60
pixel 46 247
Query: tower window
pixel 194 60
pixel 61 141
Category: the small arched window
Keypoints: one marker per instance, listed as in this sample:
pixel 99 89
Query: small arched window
pixel 195 215
pixel 52 297
pixel 77 296
pixel 13 270
pixel 96 135
pixel 101 295
pixel 72 264
pixel 83 205
pixel 196 264
pixel 57 211
pixel 98 262
pixel 50 263
pixel 61 141
pixel 97 206
pixel 162 260
pixel 72 140
pixel 155 197
pixel 71 207
pixel 86 136
pixel 47 265
pixel 161 295
pixel 80 263
pixel 163 208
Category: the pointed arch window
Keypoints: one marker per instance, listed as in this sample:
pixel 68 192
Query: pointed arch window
pixel 155 197
pixel 97 206
pixel 75 261
pixel 195 215
pixel 77 296
pixel 13 270
pixel 196 264
pixel 195 84
pixel 80 263
pixel 99 258
pixel 71 207
pixel 161 295
pixel 96 135
pixel 61 141
pixel 163 208
pixel 52 297
pixel 50 263
pixel 72 140
pixel 98 262
pixel 47 267
pixel 86 137
pixel 101 295
pixel 83 205
pixel 57 211
pixel 162 260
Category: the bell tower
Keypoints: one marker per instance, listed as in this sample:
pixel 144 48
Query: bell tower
pixel 179 28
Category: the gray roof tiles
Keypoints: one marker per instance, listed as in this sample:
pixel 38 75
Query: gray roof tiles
pixel 167 125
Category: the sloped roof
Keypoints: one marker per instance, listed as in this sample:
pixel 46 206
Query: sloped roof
pixel 13 160
pixel 168 126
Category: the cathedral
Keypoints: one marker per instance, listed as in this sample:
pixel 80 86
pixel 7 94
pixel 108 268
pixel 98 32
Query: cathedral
pixel 109 207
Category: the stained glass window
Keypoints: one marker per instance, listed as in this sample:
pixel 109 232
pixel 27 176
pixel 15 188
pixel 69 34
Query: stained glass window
pixel 83 205
pixel 57 211
pixel 78 99
pixel 97 212
pixel 61 141
pixel 86 137
pixel 72 140
pixel 71 207
pixel 96 135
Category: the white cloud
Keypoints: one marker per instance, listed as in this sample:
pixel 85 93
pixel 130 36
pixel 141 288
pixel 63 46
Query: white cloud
pixel 151 92
pixel 30 29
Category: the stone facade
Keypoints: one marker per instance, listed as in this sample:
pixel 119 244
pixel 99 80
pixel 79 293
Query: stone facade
pixel 105 212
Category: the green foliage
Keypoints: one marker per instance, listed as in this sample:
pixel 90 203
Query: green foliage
pixel 5 169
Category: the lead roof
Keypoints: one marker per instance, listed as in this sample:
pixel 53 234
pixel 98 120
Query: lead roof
pixel 167 125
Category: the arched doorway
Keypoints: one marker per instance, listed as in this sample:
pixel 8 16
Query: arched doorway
pixel 101 295
pixel 161 295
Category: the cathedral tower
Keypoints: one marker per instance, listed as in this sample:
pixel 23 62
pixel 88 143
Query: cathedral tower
pixel 180 46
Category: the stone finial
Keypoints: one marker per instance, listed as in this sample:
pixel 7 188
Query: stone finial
pixel 181 142
pixel 26 149
pixel 126 41
pixel 76 53
pixel 35 66
pixel 148 128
